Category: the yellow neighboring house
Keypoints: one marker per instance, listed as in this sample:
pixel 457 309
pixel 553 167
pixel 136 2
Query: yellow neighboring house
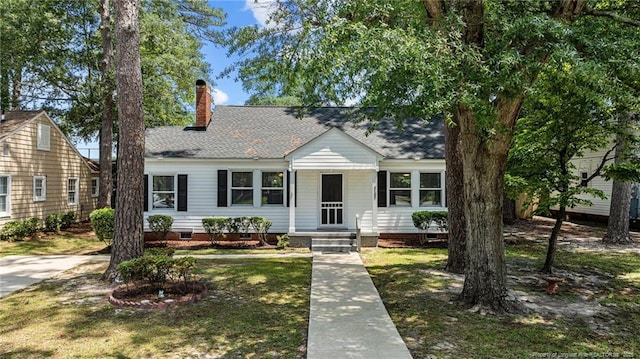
pixel 41 172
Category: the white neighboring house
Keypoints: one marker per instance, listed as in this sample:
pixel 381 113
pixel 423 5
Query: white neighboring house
pixel 308 175
pixel 599 210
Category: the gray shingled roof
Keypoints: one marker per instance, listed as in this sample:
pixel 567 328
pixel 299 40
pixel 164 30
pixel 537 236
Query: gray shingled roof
pixel 272 132
pixel 14 120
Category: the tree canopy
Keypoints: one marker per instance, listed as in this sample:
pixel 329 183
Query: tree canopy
pixel 52 52
pixel 472 60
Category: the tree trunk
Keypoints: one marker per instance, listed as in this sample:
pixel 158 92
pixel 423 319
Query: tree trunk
pixel 618 227
pixel 553 241
pixel 128 241
pixel 106 131
pixel 620 203
pixel 484 162
pixel 508 210
pixel 455 200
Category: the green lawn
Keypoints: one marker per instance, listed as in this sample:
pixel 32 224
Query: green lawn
pixel 63 243
pixel 255 308
pixel 417 294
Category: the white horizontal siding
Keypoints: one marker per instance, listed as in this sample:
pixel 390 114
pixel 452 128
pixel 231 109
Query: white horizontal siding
pixel 589 163
pixel 307 210
pixel 334 150
pixel 202 192
pixel 359 198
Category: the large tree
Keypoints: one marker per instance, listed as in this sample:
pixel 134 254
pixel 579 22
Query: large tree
pixel 108 107
pixel 472 60
pixel 128 240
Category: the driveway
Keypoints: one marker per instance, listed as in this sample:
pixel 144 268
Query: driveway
pixel 17 272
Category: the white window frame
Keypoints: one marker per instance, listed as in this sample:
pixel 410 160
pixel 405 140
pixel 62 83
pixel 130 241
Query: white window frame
pixel 44 137
pixel 241 188
pixel 265 188
pixel 440 188
pixel 410 188
pixel 43 189
pixel 7 195
pixel 161 192
pixel 75 190
pixel 584 176
pixel 95 189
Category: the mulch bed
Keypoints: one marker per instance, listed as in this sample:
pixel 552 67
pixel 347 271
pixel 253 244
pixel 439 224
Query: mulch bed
pixel 146 296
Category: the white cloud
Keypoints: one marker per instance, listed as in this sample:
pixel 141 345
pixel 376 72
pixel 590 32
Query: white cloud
pixel 261 9
pixel 219 97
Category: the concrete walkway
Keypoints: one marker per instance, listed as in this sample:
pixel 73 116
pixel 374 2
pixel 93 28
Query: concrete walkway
pixel 17 272
pixel 347 318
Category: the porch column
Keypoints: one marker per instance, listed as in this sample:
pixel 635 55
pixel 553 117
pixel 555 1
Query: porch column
pixel 292 201
pixel 374 204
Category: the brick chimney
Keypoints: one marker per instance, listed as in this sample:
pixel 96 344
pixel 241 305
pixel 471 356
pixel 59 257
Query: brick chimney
pixel 203 104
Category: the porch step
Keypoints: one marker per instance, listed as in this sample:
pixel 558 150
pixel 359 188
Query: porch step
pixel 333 244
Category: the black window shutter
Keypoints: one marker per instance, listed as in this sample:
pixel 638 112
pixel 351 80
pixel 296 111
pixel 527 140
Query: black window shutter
pixel 382 188
pixel 182 193
pixel 146 193
pixel 222 188
pixel 288 188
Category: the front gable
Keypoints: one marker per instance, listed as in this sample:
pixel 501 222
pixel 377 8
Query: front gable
pixel 334 149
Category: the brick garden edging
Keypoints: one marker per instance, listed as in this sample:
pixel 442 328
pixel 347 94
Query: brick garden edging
pixel 200 288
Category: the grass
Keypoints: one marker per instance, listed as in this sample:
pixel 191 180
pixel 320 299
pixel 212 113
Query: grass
pixel 256 308
pixel 63 243
pixel 417 295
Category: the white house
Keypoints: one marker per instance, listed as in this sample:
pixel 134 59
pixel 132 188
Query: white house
pixel 310 174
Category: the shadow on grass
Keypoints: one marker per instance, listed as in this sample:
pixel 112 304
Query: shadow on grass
pixel 418 299
pixel 255 308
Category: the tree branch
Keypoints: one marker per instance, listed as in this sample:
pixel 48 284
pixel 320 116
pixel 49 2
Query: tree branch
pixel 612 15
pixel 604 161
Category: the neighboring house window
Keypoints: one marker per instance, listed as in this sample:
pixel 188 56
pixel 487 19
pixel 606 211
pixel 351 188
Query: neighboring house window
pixel 430 190
pixel 5 195
pixel 164 192
pixel 44 137
pixel 272 188
pixel 5 149
pixel 95 188
pixel 241 188
pixel 583 179
pixel 72 190
pixel 39 188
pixel 400 189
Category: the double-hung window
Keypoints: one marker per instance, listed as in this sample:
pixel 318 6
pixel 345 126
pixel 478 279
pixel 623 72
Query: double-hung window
pixel 400 189
pixel 164 192
pixel 39 188
pixel 5 196
pixel 242 188
pixel 272 188
pixel 95 188
pixel 72 190
pixel 430 190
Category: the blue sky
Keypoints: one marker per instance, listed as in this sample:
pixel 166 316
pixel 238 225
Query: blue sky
pixel 239 13
pixel 226 91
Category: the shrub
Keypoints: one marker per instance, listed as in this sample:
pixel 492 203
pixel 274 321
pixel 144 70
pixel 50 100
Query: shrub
pixel 215 227
pixel 13 231
pixel 53 222
pixel 67 219
pixel 32 226
pixel 423 220
pixel 261 227
pixel 160 224
pixel 283 241
pixel 157 269
pixel 102 221
pixel 239 225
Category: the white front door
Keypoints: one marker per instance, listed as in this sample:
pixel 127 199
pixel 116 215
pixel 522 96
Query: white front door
pixel 331 203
